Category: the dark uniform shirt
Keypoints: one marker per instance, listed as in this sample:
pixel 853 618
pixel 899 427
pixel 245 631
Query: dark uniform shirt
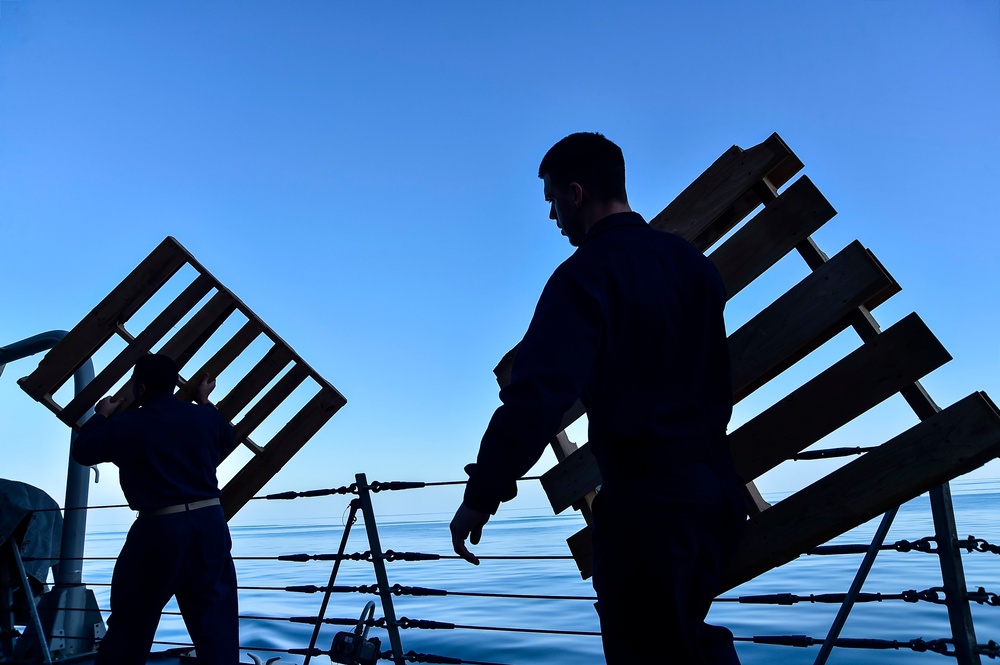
pixel 631 324
pixel 167 451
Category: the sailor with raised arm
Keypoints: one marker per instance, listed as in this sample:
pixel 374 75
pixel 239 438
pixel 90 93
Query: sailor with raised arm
pixel 167 452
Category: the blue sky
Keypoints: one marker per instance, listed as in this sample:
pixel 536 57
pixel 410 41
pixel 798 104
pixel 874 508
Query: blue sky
pixel 363 176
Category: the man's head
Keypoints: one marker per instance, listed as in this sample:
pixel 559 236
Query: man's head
pixel 584 176
pixel 154 375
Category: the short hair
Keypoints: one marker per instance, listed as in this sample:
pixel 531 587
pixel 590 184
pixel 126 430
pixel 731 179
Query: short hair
pixel 158 373
pixel 590 159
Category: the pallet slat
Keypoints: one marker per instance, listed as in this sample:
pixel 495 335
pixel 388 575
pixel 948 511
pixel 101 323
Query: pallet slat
pixel 955 441
pixel 271 400
pixel 276 453
pixel 193 335
pixel 871 374
pixel 99 325
pixel 222 358
pixel 143 343
pixel 275 360
pixel 774 232
pixel 571 479
pixel 724 194
pixel 805 317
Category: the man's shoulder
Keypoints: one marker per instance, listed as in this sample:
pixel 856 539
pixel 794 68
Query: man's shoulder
pixel 174 408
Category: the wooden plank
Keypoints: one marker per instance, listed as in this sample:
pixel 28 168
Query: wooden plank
pixel 255 474
pixel 96 328
pixel 270 401
pixel 223 358
pixel 756 503
pixel 582 548
pixel 952 443
pixel 189 339
pixel 949 444
pixel 797 213
pixel 805 317
pixel 143 343
pixel 724 194
pixel 572 479
pixel 268 367
pixel 193 335
pixel 869 375
pixel 563 447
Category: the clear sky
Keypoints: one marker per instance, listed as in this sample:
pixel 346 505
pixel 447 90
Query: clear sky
pixel 363 176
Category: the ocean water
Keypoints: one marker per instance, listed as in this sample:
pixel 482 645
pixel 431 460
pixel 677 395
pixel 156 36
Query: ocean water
pixel 564 631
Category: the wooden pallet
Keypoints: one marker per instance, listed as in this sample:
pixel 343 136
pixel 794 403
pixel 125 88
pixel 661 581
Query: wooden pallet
pixel 191 322
pixel 837 294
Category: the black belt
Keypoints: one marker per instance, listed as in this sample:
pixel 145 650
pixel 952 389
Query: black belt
pixel 181 508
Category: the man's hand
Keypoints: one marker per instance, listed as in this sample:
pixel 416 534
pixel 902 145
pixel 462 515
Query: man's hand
pixel 107 407
pixel 467 523
pixel 205 389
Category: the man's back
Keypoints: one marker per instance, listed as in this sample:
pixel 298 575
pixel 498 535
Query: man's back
pixel 654 367
pixel 167 451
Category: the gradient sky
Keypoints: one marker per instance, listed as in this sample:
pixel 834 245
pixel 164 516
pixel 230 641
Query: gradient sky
pixel 363 176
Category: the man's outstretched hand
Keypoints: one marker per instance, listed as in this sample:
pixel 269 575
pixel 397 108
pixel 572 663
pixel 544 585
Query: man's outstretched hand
pixel 467 523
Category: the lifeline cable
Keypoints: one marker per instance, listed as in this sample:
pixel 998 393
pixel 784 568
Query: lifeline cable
pixel 925 545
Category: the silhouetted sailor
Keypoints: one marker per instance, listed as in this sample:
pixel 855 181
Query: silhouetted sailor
pixel 167 452
pixel 632 325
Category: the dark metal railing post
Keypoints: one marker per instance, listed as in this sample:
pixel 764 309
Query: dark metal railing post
pixel 859 581
pixel 953 577
pixel 351 519
pixel 378 559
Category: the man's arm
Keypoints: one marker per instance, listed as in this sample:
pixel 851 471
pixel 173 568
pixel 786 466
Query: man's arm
pixel 227 437
pixel 90 447
pixel 551 368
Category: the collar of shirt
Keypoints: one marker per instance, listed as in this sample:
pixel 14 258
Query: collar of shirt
pixel 613 221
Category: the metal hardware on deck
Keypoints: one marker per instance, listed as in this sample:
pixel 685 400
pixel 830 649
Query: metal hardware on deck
pixel 355 648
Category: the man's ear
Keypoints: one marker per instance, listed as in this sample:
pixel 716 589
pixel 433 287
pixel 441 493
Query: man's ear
pixel 576 192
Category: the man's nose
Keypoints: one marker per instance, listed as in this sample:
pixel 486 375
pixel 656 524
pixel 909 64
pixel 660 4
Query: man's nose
pixel 552 211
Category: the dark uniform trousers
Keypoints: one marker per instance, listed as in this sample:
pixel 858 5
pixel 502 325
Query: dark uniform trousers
pixel 187 555
pixel 656 570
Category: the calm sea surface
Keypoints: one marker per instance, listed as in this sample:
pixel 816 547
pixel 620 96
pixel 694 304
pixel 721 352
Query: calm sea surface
pixel 491 629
